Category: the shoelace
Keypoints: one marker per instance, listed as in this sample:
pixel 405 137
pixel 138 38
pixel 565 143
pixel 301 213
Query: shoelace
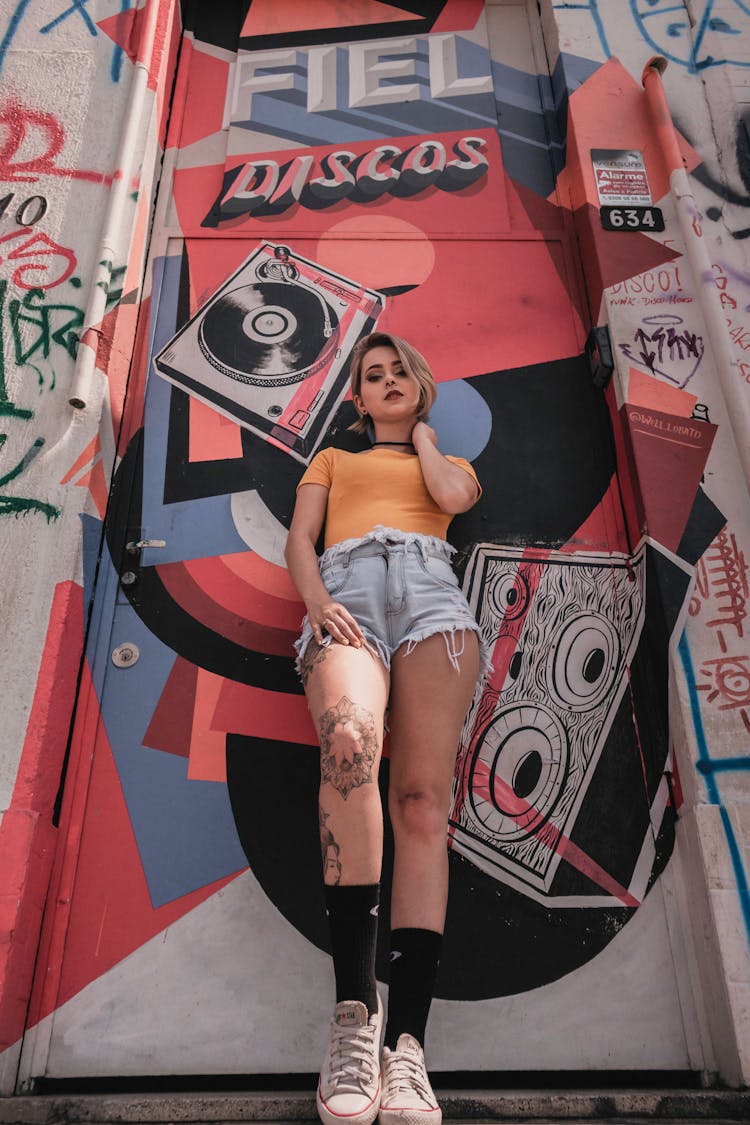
pixel 353 1060
pixel 406 1072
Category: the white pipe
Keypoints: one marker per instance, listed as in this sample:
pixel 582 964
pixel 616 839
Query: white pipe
pixel 731 382
pixel 109 243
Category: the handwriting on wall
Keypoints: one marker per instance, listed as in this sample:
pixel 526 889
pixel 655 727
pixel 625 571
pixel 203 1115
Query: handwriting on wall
pixel 654 287
pixel 722 589
pixel 735 303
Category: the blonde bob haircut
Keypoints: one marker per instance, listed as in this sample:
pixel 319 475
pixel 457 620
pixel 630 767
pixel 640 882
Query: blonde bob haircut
pixel 413 363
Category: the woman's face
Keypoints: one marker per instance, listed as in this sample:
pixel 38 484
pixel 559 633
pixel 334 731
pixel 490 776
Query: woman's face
pixel 387 392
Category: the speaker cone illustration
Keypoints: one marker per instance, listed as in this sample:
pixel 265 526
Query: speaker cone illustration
pixel 563 629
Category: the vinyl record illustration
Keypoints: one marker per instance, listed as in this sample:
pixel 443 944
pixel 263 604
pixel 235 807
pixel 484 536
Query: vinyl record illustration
pixel 268 334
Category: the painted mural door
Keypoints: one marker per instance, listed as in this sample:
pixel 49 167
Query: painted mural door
pixel 322 180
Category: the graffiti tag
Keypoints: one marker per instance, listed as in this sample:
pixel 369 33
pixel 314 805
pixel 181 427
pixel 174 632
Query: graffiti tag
pixel 22 505
pixel 722 578
pixel 42 251
pixel 40 134
pixel 75 7
pixel 723 572
pixel 35 328
pixel 662 344
pixel 667 30
pixel 728 684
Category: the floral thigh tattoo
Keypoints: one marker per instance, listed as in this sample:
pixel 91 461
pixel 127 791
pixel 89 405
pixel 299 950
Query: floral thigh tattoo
pixel 348 746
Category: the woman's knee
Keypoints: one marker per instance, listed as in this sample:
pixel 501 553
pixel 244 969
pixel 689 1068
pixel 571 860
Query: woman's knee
pixel 418 811
pixel 350 736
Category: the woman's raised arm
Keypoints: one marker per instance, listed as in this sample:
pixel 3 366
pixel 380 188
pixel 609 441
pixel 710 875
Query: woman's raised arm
pixel 450 486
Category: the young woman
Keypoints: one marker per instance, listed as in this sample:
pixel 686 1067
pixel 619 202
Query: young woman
pixel 387 628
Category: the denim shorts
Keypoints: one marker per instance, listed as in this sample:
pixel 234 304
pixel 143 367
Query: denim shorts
pixel 400 588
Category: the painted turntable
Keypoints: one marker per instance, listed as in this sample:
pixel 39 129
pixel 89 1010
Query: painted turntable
pixel 271 348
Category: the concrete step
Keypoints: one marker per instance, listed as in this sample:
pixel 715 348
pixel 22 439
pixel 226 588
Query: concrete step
pixel 470 1107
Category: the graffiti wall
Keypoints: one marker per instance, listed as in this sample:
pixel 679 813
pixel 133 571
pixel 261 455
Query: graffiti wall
pixel 68 80
pixel 435 169
pixel 668 395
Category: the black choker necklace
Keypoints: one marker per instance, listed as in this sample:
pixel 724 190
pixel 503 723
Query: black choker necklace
pixel 409 443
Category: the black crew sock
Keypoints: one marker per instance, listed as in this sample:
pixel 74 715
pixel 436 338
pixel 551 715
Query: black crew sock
pixel 353 923
pixel 415 955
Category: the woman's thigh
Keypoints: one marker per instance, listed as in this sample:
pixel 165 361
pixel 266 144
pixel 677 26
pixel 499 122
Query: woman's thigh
pixel 347 693
pixel 428 704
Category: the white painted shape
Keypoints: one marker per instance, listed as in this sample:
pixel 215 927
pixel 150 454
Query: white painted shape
pixel 233 988
pixel 321 79
pixel 619 1011
pixel 258 527
pixel 367 66
pixel 444 80
pixel 230 988
pixel 509 35
pixel 247 82
pixel 8 1068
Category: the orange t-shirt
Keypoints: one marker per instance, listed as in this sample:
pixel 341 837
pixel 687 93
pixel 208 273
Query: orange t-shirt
pixel 379 486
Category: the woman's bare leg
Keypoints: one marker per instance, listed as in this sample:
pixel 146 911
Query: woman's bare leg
pixel 347 693
pixel 347 690
pixel 429 701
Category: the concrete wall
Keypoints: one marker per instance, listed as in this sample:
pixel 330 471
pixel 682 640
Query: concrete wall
pixel 68 75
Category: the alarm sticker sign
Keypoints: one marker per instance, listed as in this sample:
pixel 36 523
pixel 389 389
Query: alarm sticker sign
pixel 620 176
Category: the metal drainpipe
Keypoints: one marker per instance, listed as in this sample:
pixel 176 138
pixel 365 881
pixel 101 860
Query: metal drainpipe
pixel 727 367
pixel 107 253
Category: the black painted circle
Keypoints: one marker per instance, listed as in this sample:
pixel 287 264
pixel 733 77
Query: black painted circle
pixel 527 774
pixel 593 665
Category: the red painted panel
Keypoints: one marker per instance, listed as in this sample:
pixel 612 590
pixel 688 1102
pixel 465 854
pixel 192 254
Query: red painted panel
pixel 27 837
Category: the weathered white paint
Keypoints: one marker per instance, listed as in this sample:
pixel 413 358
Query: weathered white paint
pixel 229 1020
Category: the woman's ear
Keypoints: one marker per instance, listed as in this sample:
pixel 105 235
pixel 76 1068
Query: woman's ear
pixel 359 406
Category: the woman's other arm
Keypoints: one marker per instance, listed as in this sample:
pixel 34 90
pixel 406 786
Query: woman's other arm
pixel 302 563
pixel 450 486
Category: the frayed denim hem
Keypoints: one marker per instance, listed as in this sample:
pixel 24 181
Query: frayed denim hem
pixel 379 649
pixel 373 644
pixel 448 633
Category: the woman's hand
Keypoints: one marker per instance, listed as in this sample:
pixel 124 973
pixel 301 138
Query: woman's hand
pixel 423 433
pixel 451 487
pixel 332 617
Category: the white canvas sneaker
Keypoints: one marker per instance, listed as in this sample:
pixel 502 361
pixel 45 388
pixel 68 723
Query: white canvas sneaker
pixel 349 1084
pixel 407 1098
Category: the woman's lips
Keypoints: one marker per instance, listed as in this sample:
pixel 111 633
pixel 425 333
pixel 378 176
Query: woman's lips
pixel 393 394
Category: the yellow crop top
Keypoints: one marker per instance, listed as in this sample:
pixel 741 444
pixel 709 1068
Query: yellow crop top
pixel 379 486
